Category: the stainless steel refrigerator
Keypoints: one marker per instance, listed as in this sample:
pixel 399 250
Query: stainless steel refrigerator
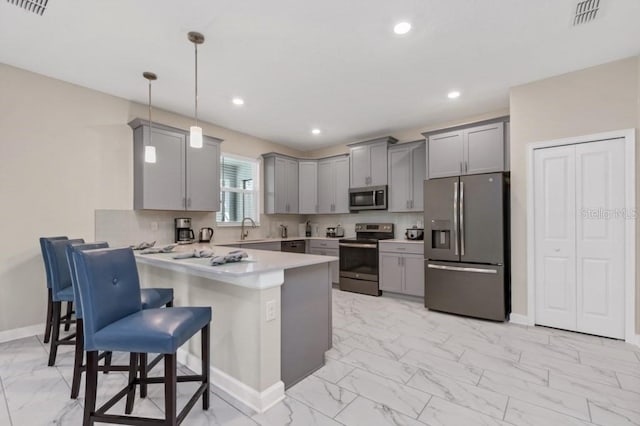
pixel 466 245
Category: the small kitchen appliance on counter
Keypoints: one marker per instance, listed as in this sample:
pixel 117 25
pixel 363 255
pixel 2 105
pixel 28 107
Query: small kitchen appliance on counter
pixel 414 233
pixel 331 232
pixel 184 233
pixel 205 235
pixel 284 231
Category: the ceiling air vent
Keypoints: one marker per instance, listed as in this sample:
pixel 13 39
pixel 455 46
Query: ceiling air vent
pixel 586 11
pixel 35 6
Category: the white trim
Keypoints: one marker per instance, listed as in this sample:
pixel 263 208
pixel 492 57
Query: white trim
pixel 253 399
pixel 519 319
pixel 21 333
pixel 629 136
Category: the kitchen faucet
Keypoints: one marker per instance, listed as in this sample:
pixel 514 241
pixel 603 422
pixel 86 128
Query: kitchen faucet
pixel 244 234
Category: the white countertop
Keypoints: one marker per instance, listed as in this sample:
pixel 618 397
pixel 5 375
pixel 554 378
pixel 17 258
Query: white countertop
pixel 402 240
pixel 262 269
pixel 273 240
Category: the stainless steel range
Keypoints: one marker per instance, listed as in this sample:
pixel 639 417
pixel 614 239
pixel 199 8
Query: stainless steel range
pixel 359 258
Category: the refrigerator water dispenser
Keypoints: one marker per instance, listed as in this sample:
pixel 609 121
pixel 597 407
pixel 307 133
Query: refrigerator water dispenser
pixel 441 234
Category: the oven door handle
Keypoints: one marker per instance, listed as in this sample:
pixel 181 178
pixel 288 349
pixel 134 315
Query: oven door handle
pixel 354 245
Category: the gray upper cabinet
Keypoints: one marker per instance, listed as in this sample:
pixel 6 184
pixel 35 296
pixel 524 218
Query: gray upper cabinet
pixel 484 149
pixel 203 180
pixel 471 150
pixel 407 171
pixel 333 185
pixel 369 162
pixel 445 154
pixel 308 187
pixel 280 184
pixel 179 179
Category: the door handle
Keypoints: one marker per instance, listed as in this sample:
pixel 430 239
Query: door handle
pixel 461 218
pixel 461 269
pixel 466 167
pixel 461 167
pixel 455 217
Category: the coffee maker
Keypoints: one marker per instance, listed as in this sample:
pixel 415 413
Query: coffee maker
pixel 184 233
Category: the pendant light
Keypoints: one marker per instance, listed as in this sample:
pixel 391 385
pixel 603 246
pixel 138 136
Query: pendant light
pixel 150 149
pixel 195 132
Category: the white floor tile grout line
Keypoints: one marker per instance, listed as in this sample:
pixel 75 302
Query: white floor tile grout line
pixel 6 403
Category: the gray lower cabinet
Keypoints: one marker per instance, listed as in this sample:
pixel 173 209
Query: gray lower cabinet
pixel 308 187
pixel 402 268
pixel 327 248
pixel 471 150
pixel 407 172
pixel 333 185
pixel 280 184
pixel 181 178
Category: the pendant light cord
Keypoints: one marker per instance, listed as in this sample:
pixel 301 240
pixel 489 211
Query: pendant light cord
pixel 150 122
pixel 196 46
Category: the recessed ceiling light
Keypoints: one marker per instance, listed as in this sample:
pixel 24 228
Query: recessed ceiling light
pixel 402 28
pixel 238 101
pixel 453 94
pixel 316 131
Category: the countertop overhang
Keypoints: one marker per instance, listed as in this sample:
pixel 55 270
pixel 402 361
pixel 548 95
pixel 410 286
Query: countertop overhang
pixel 260 270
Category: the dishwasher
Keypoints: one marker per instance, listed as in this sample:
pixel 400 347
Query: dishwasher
pixel 293 246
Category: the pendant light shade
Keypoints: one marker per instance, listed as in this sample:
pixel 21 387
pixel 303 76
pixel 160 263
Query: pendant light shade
pixel 195 132
pixel 150 149
pixel 195 137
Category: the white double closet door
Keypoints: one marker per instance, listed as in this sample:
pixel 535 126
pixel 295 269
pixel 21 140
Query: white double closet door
pixel 579 237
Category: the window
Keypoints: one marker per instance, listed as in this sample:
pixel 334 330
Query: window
pixel 239 190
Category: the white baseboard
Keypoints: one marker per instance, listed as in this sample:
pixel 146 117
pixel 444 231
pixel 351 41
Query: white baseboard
pixel 519 319
pixel 21 333
pixel 253 399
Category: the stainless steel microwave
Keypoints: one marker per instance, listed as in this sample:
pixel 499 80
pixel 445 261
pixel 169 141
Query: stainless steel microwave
pixel 371 198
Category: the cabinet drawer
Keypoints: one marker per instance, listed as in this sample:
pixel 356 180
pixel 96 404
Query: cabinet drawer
pixel 323 244
pixel 413 248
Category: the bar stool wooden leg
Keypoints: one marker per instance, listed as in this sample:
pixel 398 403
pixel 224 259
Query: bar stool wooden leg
pixel 143 375
pixel 205 365
pixel 133 372
pixel 47 327
pixel 107 361
pixel 77 363
pixel 170 371
pixel 67 324
pixel 55 333
pixel 91 387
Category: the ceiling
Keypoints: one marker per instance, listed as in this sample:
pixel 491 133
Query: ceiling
pixel 331 64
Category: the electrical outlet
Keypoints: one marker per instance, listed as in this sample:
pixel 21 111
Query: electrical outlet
pixel 271 310
pixel 154 226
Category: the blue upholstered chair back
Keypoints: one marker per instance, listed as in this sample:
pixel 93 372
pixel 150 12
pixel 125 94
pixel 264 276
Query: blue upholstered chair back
pixel 72 268
pixel 60 275
pixel 109 288
pixel 45 257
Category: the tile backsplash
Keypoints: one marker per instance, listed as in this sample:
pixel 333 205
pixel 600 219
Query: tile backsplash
pixel 126 227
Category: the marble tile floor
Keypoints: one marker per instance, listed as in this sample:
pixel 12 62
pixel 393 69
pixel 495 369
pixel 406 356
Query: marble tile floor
pixel 393 363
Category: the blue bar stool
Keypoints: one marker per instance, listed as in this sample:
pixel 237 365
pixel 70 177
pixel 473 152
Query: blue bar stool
pixel 109 291
pixel 49 321
pixel 150 297
pixel 61 291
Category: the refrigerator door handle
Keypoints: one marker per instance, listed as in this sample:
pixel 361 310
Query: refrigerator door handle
pixel 462 269
pixel 461 218
pixel 455 217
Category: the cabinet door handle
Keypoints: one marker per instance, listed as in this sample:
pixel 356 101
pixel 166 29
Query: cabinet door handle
pixel 466 167
pixel 461 167
pixel 411 203
pixel 184 202
pixel 189 202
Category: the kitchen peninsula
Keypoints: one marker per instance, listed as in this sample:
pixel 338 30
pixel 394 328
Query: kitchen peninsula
pixel 271 316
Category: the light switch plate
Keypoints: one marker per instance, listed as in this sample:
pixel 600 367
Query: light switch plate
pixel 271 310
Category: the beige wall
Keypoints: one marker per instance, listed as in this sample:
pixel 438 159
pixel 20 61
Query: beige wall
pixel 592 100
pixel 66 151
